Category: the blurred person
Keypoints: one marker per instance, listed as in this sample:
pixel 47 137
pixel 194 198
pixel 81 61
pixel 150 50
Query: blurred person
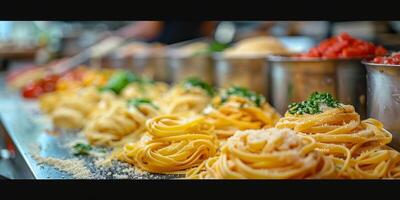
pixel 168 32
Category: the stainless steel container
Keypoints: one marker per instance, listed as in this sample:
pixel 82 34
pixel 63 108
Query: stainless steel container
pixel 294 79
pixel 249 72
pixel 183 63
pixel 109 61
pixel 150 65
pixel 182 67
pixel 383 97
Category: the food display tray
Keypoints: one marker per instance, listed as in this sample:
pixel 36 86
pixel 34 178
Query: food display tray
pixel 31 135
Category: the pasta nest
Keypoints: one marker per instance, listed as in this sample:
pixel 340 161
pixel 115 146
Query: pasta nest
pixel 115 124
pixel 359 147
pixel 239 113
pixel 185 102
pixel 267 154
pixel 172 144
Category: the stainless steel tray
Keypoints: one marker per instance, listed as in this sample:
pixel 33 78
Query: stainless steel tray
pixel 22 122
pixel 29 133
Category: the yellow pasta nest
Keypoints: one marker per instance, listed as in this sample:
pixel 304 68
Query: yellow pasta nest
pixel 238 113
pixel 172 144
pixel 71 110
pixel 185 102
pixel 266 154
pixel 150 91
pixel 359 147
pixel 118 124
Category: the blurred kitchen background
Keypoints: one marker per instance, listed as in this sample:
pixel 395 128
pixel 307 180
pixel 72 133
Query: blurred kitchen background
pixel 41 42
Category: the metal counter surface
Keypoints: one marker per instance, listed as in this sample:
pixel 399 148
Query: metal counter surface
pixel 27 129
pixel 25 132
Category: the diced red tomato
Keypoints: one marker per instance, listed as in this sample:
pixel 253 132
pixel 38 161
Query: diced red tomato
pixel 37 88
pixel 393 59
pixel 344 46
pixel 32 91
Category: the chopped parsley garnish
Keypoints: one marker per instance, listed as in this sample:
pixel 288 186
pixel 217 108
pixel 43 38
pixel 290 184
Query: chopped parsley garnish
pixel 257 99
pixel 81 149
pixel 140 101
pixel 313 104
pixel 217 46
pixel 121 79
pixel 196 82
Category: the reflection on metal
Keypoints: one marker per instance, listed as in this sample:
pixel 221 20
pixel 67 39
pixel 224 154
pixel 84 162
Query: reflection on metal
pixel 5 154
pixel 252 73
pixel 383 98
pixel 182 64
pixel 293 80
pixel 225 32
pixel 193 66
pixel 396 97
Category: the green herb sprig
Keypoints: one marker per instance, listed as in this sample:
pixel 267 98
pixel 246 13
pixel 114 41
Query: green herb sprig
pixel 257 99
pixel 140 101
pixel 196 82
pixel 81 149
pixel 313 104
pixel 217 46
pixel 121 79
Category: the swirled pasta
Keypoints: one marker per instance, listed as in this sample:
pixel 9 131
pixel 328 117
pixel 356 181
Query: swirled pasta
pixel 340 131
pixel 267 154
pixel 239 113
pixel 151 91
pixel 117 126
pixel 358 147
pixel 172 144
pixel 49 101
pixel 115 123
pixel 185 101
pixel 376 163
pixel 72 110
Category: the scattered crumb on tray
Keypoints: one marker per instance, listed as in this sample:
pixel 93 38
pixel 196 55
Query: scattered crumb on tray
pixel 75 167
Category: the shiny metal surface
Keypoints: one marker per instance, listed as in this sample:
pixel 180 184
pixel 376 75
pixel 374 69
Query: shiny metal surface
pixel 182 67
pixel 241 71
pixel 293 80
pixel 182 64
pixel 27 130
pixel 383 97
pixel 152 66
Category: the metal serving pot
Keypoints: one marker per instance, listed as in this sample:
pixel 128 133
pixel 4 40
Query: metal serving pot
pixel 383 97
pixel 294 79
pixel 182 64
pixel 249 72
pixel 150 65
pixel 182 67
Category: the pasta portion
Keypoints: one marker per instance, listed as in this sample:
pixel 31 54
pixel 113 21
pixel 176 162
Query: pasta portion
pixel 116 123
pixel 70 110
pixel 359 147
pixel 373 164
pixel 266 154
pixel 235 111
pixel 172 144
pixel 151 91
pixel 187 98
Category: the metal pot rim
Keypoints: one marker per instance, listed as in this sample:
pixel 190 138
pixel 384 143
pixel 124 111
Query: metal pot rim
pixel 280 58
pixel 138 56
pixel 186 56
pixel 368 62
pixel 221 56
